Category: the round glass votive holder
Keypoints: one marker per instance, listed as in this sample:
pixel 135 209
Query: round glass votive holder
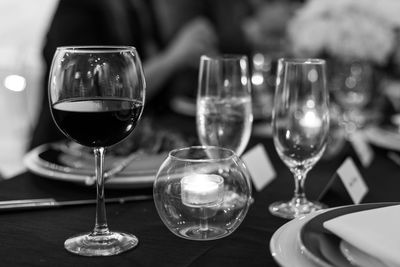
pixel 202 192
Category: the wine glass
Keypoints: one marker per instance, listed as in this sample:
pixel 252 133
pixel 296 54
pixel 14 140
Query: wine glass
pixel 224 112
pixel 352 83
pixel 96 96
pixel 300 122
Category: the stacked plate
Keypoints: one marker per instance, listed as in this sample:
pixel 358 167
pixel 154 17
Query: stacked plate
pixel 304 242
pixel 62 162
pixel 384 137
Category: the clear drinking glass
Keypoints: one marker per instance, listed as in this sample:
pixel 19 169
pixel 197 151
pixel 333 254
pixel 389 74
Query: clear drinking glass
pixel 224 113
pixel 202 192
pixel 352 84
pixel 96 98
pixel 300 121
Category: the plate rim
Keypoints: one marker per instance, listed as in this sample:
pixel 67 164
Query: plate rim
pixel 292 223
pixel 363 206
pixel 371 134
pixel 31 161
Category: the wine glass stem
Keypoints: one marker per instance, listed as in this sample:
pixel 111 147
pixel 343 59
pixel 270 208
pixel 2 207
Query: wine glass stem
pixel 203 220
pixel 101 227
pixel 299 192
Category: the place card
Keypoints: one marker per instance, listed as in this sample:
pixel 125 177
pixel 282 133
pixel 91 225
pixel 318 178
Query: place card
pixel 347 186
pixel 363 150
pixel 260 167
pixel 352 180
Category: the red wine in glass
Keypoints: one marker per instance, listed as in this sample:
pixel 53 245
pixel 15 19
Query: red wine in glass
pixel 97 122
pixel 96 96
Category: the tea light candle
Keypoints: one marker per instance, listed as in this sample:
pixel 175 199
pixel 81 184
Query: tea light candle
pixel 202 190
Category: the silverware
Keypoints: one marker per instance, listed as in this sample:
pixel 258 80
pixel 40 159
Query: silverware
pixel 394 157
pixel 40 203
pixel 120 166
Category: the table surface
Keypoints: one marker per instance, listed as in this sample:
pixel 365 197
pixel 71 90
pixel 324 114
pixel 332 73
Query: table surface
pixel 36 237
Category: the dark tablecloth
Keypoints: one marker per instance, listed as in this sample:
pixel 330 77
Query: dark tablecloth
pixel 36 237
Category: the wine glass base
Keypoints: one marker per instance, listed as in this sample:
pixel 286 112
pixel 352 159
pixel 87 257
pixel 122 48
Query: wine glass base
pixel 195 233
pixel 292 209
pixel 109 244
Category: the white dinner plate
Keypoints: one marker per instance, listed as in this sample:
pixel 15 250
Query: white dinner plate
pixel 184 105
pixel 187 106
pixel 284 245
pixel 262 129
pixel 325 248
pixel 51 161
pixel 382 137
pixel 288 248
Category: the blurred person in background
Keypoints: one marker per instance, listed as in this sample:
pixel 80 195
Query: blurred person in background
pixel 266 29
pixel 170 36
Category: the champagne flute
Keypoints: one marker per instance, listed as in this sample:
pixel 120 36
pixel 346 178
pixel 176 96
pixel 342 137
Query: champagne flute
pixel 300 122
pixel 96 96
pixel 224 113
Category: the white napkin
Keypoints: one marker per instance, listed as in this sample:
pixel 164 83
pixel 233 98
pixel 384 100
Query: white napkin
pixel 376 232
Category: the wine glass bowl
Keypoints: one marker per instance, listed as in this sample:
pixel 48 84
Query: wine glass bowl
pixel 224 112
pixel 83 120
pixel 202 192
pixel 300 126
pixel 96 96
pixel 352 84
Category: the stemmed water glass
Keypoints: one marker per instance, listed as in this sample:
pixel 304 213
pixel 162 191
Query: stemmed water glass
pixel 96 96
pixel 352 84
pixel 224 113
pixel 300 122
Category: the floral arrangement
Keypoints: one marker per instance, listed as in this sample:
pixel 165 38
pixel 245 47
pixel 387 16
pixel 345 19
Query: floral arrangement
pixel 346 29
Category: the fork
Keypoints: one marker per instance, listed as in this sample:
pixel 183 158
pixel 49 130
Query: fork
pixel 120 166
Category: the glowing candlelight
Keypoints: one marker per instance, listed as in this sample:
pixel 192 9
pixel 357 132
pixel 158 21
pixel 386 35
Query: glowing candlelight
pixel 202 190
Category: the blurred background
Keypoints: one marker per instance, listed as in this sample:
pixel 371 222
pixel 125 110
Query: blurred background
pixel 23 24
pixel 359 40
